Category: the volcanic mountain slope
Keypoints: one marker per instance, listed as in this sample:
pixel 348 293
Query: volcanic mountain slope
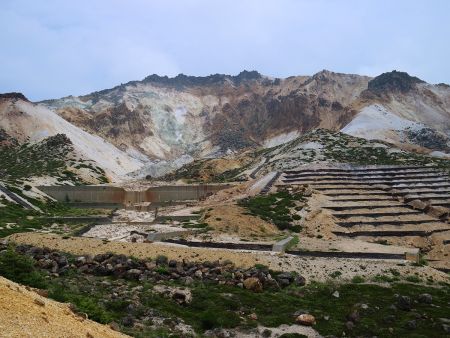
pixel 27 122
pixel 156 125
pixel 165 118
pixel 403 109
pixel 318 146
pixel 52 160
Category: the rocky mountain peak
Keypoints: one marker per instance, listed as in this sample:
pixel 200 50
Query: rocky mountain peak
pixel 393 82
pixel 13 95
pixel 187 80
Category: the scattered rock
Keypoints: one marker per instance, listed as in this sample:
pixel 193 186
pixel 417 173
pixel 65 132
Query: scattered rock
pixel 181 296
pixel 336 294
pixel 306 319
pixel 114 326
pixel 349 325
pixel 128 321
pixel 39 302
pixel 253 316
pixel 266 333
pixel 133 273
pixel 354 316
pixel 404 303
pixel 425 298
pixel 412 325
pixel 253 284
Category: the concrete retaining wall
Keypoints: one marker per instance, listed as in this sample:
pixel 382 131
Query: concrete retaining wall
pixel 85 193
pixel 115 195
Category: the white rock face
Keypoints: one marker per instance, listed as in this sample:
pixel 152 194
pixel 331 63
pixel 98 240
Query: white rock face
pixel 27 121
pixel 280 139
pixel 376 122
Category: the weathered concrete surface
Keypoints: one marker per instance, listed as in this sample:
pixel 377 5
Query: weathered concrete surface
pixel 115 195
pixel 160 236
pixel 281 245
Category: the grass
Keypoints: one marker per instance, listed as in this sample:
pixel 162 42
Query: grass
pixel 277 208
pixel 224 306
pixel 339 147
pixel 15 219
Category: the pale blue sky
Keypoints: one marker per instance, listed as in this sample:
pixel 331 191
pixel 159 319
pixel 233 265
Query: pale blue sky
pixel 54 48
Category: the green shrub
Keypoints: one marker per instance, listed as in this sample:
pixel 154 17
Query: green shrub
pixel 358 279
pixel 335 274
pixel 20 269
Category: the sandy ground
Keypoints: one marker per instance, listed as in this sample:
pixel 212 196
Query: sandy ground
pixel 233 220
pixel 349 245
pixel 31 315
pixel 311 268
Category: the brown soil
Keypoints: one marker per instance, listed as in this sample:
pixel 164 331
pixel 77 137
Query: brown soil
pixel 233 220
pixel 24 313
pixel 318 221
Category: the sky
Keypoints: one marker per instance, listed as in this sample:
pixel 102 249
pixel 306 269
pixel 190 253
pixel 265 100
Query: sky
pixel 54 48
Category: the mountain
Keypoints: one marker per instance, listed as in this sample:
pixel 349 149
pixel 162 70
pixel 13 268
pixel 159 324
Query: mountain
pixel 27 122
pixel 165 118
pixel 153 126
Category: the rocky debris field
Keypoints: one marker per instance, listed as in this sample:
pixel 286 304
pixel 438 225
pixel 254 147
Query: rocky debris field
pixel 163 298
pixel 161 269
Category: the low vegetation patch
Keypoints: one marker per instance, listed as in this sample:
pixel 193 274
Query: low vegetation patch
pixel 52 156
pixel 278 208
pixel 15 219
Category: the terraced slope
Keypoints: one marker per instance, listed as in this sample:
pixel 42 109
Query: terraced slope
pixel 403 205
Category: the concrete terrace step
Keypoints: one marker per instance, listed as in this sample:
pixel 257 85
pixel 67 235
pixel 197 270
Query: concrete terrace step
pixel 349 224
pixel 376 214
pixel 363 186
pixel 421 185
pixel 361 207
pixel 382 198
pixel 388 233
pixel 440 204
pixel 366 174
pixel 428 198
pixel 367 178
pixel 424 192
pixel 372 193
pixel 366 182
pixel 360 169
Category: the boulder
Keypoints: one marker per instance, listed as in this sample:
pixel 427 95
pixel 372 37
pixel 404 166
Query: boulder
pixel 438 212
pixel 300 281
pixel 354 316
pixel 306 319
pixel 253 284
pixel 133 273
pixel 180 295
pixel 419 205
pixel 404 303
pixel 425 298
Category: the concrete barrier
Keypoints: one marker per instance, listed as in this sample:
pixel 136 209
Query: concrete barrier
pixel 282 245
pixel 102 194
pixel 160 236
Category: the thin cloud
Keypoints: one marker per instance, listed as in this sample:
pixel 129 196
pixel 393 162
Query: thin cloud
pixel 53 48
